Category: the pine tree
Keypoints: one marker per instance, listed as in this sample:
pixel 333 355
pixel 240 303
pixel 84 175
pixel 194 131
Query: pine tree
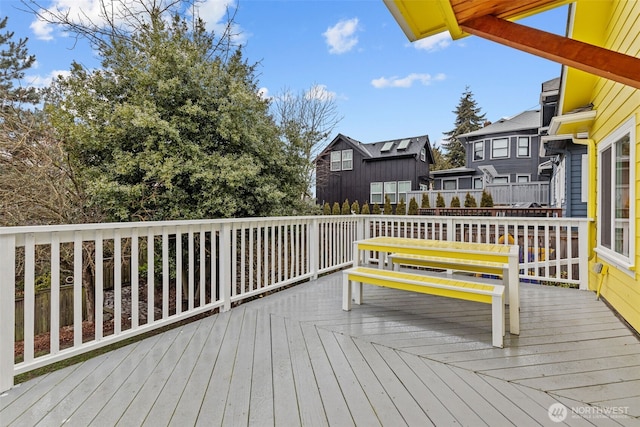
pixel 15 60
pixel 376 209
pixel 455 202
pixel 365 209
pixel 470 201
pixel 401 209
pixel 440 201
pixel 487 200
pixel 413 206
pixel 346 207
pixel 425 201
pixel 326 210
pixel 355 208
pixel 388 210
pixel 468 119
pixel 336 209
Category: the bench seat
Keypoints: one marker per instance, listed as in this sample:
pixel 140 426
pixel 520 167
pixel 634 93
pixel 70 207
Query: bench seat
pixel 444 263
pixel 440 286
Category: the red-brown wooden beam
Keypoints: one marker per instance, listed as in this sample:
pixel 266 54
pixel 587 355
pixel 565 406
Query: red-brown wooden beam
pixel 582 56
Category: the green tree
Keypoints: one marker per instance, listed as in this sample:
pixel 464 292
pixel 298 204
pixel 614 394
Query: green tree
pixel 455 202
pixel 440 201
pixel 487 200
pixel 388 210
pixel 440 161
pixel 468 119
pixel 336 209
pixel 346 207
pixel 355 207
pixel 172 127
pixel 376 209
pixel 326 209
pixel 425 201
pixel 413 206
pixel 470 201
pixel 365 209
pixel 401 209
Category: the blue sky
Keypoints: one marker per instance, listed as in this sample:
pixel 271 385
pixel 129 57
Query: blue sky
pixel 384 87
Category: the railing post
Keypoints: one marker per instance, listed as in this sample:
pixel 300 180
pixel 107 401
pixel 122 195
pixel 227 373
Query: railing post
pixel 7 309
pixel 225 266
pixel 583 253
pixel 314 248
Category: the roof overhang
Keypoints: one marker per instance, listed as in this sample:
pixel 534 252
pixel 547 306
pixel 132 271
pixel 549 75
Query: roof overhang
pixel 573 124
pixel 492 20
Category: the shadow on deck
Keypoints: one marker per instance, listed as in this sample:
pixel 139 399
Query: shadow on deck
pixel 295 358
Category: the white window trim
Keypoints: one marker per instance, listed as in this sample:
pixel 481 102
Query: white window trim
pixel 423 154
pixel 518 147
pixel 527 175
pixel 622 262
pixel 450 180
pixel 501 176
pixel 394 200
pixel 337 161
pixel 473 182
pixel 405 193
pixel 381 193
pixel 473 153
pixel 508 147
pixel 343 155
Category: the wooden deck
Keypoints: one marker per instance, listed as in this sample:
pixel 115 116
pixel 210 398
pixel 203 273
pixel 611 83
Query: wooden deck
pixel 295 358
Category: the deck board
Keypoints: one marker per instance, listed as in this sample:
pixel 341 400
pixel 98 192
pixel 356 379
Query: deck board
pixel 296 358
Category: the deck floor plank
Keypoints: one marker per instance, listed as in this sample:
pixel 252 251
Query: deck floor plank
pixel 296 358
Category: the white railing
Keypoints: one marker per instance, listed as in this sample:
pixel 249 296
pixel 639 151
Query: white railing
pixel 179 269
pixel 501 194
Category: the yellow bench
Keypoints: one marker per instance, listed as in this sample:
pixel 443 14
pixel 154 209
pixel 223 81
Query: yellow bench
pixel 445 263
pixel 440 286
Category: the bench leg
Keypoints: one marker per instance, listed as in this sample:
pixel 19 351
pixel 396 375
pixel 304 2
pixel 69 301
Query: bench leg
pixel 357 292
pixel 497 322
pixel 346 292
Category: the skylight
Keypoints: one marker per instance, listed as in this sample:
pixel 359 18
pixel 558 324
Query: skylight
pixel 387 147
pixel 404 144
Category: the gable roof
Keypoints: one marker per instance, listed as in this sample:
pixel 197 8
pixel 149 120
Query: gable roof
pixel 523 121
pixel 381 150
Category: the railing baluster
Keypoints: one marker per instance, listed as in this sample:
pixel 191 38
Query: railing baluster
pixel 54 325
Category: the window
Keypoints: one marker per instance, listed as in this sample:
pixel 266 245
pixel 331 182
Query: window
pixel 501 180
pixel 500 148
pixel 478 150
pixel 524 147
pixel 478 183
pixel 347 160
pixel 523 178
pixel 423 155
pixel 403 188
pixel 449 184
pixel 386 147
pixel 390 189
pixel 615 173
pixel 341 160
pixel 376 193
pixel 335 161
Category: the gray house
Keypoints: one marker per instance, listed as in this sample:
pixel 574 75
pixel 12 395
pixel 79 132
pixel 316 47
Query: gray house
pixel 350 169
pixel 567 166
pixel 507 151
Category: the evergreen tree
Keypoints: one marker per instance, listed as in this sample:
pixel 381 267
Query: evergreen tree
pixel 346 207
pixel 470 201
pixel 487 200
pixel 413 206
pixel 388 210
pixel 440 201
pixel 455 202
pixel 401 209
pixel 468 119
pixel 336 209
pixel 355 207
pixel 365 209
pixel 326 210
pixel 376 209
pixel 425 201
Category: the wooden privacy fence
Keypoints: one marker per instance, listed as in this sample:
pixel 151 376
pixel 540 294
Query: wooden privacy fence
pixel 42 315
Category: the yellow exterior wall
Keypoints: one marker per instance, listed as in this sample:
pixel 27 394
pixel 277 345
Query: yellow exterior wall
pixel 615 104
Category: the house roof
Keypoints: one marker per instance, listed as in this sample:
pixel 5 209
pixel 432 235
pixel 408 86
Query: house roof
pixel 392 148
pixel 523 121
pixel 492 20
pixel 453 171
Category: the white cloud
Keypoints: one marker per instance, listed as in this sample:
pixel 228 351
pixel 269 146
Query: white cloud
pixel 320 93
pixel 341 37
pixel 436 42
pixel 44 81
pixel 405 82
pixel 213 12
pixel 263 93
